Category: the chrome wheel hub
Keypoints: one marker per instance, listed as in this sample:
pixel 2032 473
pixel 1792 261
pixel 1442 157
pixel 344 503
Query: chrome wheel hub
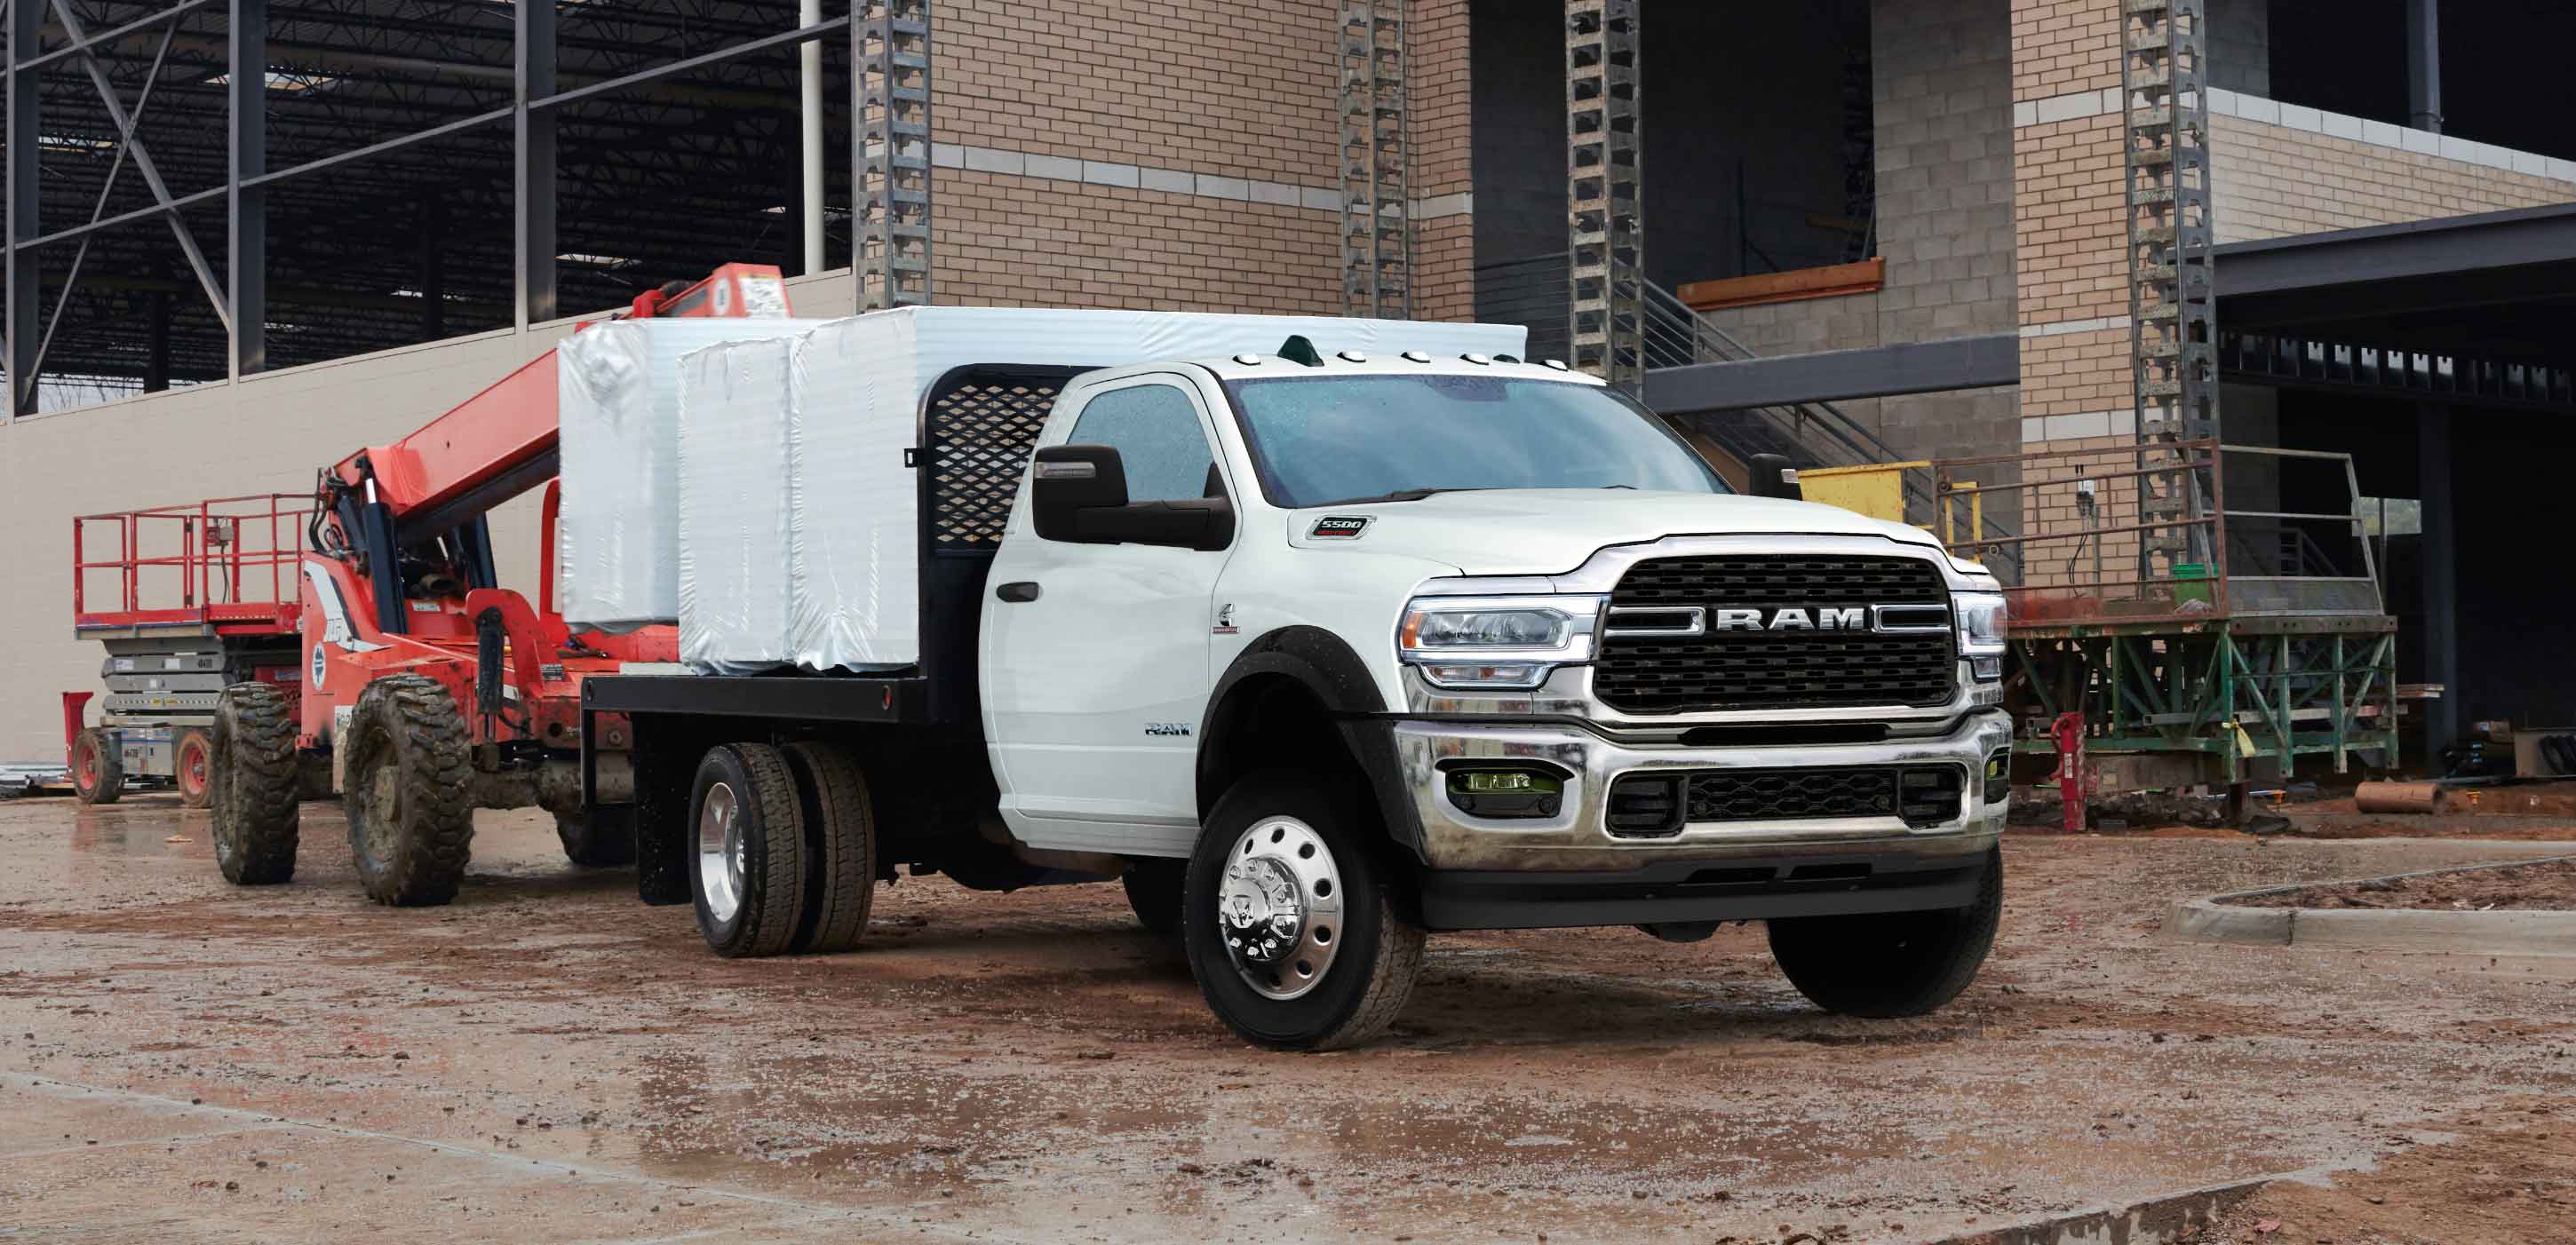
pixel 1279 907
pixel 720 852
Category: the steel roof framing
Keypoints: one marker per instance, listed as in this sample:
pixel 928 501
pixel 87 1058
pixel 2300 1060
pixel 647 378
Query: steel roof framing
pixel 385 171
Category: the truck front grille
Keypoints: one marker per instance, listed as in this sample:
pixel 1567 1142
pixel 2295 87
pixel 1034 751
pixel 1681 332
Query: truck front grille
pixel 1726 670
pixel 1657 804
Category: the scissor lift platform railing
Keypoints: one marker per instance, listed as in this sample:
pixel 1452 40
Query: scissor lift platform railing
pixel 224 566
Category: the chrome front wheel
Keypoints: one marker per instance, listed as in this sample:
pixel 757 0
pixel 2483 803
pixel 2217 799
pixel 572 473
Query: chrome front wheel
pixel 1279 907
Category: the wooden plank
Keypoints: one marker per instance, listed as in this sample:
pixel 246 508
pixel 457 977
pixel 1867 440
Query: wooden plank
pixel 1832 281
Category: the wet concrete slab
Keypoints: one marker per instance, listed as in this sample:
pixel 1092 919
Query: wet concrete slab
pixel 547 1058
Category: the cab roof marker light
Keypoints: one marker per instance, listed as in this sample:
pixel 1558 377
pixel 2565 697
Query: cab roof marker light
pixel 1506 358
pixel 1248 360
pixel 1354 356
pixel 1558 364
pixel 1416 356
pixel 1477 359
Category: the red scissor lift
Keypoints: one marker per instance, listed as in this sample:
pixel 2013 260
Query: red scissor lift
pixel 186 600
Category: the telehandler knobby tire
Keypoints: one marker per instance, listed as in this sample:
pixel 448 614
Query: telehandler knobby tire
pixel 251 785
pixel 411 816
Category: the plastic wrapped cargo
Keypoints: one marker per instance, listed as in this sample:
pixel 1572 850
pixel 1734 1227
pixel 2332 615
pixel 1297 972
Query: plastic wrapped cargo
pixel 854 540
pixel 618 402
pixel 733 467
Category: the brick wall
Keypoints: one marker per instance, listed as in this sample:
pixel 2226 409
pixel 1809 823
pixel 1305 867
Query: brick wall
pixel 1440 103
pixel 2276 180
pixel 1009 239
pixel 1242 88
pixel 2060 46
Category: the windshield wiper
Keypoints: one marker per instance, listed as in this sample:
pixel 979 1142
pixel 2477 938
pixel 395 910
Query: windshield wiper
pixel 1404 494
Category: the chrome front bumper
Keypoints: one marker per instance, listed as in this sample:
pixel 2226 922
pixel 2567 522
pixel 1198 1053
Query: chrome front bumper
pixel 1577 837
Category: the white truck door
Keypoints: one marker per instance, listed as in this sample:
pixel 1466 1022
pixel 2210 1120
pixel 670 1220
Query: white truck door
pixel 1095 662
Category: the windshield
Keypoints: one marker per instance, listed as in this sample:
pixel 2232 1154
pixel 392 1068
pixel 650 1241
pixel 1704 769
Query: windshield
pixel 1327 440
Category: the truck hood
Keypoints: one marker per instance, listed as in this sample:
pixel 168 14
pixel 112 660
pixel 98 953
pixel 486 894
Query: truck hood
pixel 1552 531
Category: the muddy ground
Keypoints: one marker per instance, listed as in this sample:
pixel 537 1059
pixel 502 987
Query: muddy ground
pixel 546 1059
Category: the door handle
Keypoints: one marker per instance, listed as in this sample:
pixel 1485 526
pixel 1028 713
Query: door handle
pixel 1020 590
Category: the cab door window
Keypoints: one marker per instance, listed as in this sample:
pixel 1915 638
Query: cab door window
pixel 1159 438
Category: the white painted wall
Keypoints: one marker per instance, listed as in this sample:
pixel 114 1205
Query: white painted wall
pixel 267 434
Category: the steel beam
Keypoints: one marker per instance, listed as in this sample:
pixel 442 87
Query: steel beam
pixel 113 34
pixel 2381 253
pixel 1836 375
pixel 23 124
pixel 2438 561
pixel 246 203
pixel 534 179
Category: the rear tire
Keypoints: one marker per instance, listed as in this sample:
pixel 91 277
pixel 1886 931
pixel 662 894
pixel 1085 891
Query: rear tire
pixel 411 817
pixel 98 767
pixel 840 847
pixel 251 768
pixel 595 846
pixel 1891 964
pixel 191 766
pixel 748 851
pixel 1341 961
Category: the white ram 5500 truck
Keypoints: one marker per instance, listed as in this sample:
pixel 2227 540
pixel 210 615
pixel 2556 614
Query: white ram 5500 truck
pixel 1322 653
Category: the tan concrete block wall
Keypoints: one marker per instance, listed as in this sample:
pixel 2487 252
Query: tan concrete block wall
pixel 2273 181
pixel 1240 88
pixel 1002 239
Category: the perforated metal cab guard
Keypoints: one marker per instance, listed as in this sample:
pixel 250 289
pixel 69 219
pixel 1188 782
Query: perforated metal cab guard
pixel 978 429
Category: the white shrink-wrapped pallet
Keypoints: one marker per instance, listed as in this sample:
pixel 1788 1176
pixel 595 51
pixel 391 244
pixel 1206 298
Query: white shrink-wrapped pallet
pixel 733 506
pixel 617 408
pixel 859 385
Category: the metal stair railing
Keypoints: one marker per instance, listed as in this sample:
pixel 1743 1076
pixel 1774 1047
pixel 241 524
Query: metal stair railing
pixel 1810 434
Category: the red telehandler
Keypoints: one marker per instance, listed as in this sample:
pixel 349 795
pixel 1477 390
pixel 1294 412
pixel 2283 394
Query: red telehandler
pixel 427 688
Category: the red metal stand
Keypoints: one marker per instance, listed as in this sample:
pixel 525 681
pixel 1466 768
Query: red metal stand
pixel 2068 730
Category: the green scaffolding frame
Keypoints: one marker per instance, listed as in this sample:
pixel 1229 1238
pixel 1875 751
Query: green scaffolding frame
pixel 2294 686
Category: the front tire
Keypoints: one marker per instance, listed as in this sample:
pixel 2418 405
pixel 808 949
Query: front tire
pixel 98 767
pixel 1891 964
pixel 749 874
pixel 411 817
pixel 1286 918
pixel 251 783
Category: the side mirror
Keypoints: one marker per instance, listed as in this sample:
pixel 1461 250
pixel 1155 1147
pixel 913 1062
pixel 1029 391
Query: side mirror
pixel 1079 495
pixel 1772 476
pixel 1070 479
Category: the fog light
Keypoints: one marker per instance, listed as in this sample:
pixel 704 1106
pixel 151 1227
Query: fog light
pixel 1999 777
pixel 1506 792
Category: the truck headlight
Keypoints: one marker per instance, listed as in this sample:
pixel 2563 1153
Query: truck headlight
pixel 1981 617
pixel 1508 642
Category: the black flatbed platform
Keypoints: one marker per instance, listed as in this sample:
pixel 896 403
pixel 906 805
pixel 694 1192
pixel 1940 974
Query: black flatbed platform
pixel 894 696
